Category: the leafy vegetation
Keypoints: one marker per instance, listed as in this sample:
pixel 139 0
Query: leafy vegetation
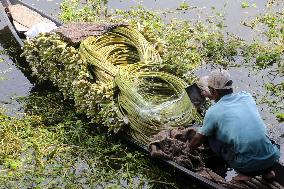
pixel 183 6
pixel 73 10
pixel 245 4
pixel 52 146
pixel 275 92
pixel 269 55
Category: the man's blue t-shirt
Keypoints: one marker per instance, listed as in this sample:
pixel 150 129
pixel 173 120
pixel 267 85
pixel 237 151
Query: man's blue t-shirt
pixel 235 120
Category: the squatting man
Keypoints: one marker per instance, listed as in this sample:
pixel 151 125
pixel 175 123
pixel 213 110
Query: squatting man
pixel 234 129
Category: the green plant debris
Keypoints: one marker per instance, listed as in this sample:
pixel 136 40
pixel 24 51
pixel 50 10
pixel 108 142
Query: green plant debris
pixel 280 117
pixel 268 54
pixel 1 60
pixel 274 26
pixel 275 91
pixel 52 59
pixel 245 4
pixel 41 151
pixel 263 55
pixel 74 10
pixel 183 6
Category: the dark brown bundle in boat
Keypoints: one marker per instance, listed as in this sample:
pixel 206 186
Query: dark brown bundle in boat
pixel 172 145
pixel 77 32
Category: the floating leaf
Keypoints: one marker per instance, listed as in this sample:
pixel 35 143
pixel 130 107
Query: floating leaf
pixel 245 4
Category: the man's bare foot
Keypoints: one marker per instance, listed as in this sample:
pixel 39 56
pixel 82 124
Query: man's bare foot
pixel 241 177
pixel 269 175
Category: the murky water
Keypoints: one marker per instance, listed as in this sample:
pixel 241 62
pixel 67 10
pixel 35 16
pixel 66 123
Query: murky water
pixel 233 12
pixel 51 7
pixel 13 82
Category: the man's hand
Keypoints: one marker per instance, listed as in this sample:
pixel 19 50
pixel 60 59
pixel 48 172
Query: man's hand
pixel 196 141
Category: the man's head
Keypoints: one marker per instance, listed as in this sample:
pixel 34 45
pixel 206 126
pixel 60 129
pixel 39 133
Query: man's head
pixel 219 84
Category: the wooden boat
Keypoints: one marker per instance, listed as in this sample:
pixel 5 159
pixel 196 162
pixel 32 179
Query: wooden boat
pixel 181 173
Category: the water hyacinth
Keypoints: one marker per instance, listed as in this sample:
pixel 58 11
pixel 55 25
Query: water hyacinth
pixel 50 58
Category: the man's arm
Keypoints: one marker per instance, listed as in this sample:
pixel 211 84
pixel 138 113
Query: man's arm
pixel 196 141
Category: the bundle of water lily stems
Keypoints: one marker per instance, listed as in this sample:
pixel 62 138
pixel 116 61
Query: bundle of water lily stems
pixel 113 79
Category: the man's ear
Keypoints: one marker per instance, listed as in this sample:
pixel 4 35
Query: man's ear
pixel 215 94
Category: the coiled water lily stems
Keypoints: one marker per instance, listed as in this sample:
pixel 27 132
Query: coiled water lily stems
pixel 113 79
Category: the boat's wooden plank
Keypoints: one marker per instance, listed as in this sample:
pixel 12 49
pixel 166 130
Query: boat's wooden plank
pixel 237 185
pixel 276 184
pixel 250 184
pixel 266 183
pixel 259 184
pixel 19 27
pixel 9 24
pixel 26 17
pixel 43 14
pixel 279 171
pixel 256 183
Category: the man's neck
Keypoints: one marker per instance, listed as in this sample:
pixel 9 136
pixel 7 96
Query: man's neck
pixel 219 97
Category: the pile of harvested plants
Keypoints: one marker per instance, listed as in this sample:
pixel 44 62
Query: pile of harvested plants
pixel 115 79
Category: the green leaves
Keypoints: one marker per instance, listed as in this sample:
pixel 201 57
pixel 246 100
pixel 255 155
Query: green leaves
pixel 68 153
pixel 245 4
pixel 74 11
pixel 183 6
pixel 280 117
pixel 275 100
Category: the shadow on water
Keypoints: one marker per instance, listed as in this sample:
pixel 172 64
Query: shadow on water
pixel 13 50
pixel 17 80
